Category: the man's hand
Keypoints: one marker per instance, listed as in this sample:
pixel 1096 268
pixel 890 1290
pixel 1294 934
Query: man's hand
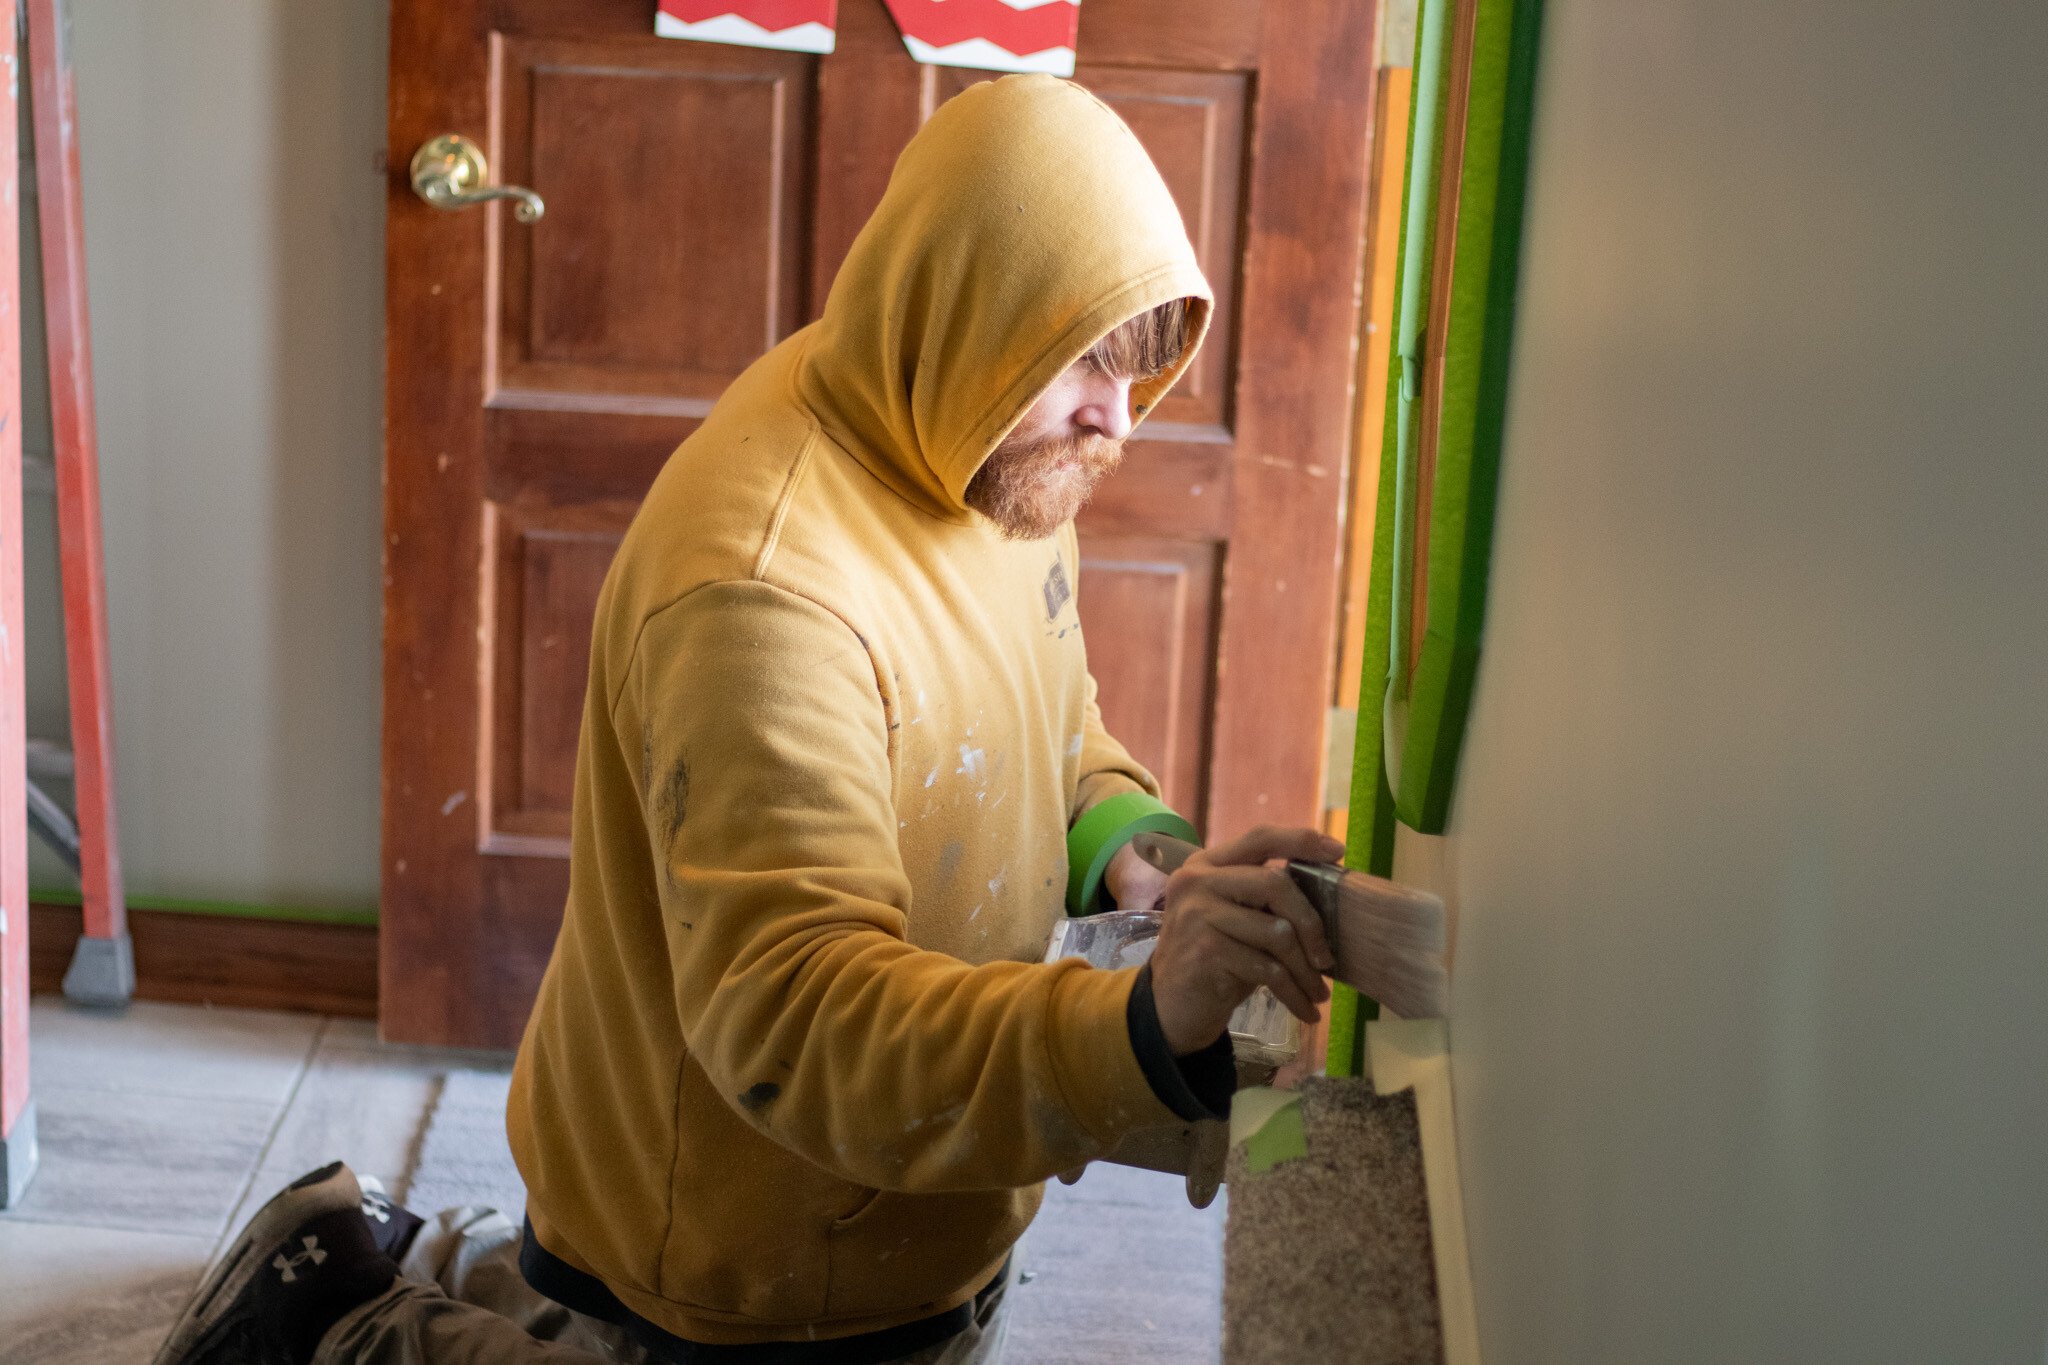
pixel 1133 883
pixel 1234 922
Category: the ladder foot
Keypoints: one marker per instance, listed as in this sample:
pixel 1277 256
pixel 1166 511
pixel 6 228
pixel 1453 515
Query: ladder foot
pixel 102 973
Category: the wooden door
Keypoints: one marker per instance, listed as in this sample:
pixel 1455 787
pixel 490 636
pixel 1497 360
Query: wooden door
pixel 699 199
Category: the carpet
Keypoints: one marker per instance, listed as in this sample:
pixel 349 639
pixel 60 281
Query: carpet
pixel 1329 1254
pixel 1120 1270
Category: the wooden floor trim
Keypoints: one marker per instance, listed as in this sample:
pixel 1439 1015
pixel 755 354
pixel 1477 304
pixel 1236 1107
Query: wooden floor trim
pixel 224 960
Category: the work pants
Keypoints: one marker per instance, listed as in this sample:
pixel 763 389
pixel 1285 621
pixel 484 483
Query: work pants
pixel 460 1300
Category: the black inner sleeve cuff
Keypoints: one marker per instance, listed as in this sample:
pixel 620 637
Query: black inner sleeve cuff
pixel 1197 1086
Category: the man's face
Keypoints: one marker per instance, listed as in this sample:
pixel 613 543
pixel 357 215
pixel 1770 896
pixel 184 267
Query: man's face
pixel 1044 470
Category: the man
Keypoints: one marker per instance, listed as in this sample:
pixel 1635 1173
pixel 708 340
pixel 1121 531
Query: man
pixel 796 1072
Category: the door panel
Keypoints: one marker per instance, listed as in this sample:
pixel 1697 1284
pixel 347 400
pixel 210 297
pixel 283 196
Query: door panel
pixel 545 564
pixel 1158 596
pixel 673 249
pixel 700 199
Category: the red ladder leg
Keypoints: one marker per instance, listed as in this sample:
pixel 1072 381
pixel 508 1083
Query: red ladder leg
pixel 17 1115
pixel 103 971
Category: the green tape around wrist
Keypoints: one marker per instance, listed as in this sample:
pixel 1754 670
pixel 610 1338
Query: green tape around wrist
pixel 1105 828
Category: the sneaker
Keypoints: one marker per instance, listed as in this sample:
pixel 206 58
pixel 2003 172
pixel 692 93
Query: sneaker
pixel 304 1260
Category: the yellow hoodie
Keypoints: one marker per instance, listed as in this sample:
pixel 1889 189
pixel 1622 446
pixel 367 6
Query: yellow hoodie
pixel 795 1070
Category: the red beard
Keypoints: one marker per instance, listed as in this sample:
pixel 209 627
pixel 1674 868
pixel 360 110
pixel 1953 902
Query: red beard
pixel 1029 489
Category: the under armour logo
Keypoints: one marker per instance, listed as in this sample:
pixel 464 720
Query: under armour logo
pixel 288 1265
pixel 373 1207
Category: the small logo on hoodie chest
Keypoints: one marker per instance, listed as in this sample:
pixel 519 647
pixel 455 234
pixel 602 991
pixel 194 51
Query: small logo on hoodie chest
pixel 1057 593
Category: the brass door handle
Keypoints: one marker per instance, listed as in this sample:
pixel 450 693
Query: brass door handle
pixel 450 172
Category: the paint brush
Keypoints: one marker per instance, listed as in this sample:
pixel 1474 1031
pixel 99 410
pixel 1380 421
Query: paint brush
pixel 1388 939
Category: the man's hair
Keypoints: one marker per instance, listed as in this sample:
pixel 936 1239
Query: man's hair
pixel 1144 347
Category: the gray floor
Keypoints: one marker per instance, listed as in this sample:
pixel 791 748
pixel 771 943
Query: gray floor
pixel 163 1128
pixel 159 1128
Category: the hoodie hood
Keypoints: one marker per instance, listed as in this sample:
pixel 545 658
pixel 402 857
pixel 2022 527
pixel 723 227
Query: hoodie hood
pixel 1021 225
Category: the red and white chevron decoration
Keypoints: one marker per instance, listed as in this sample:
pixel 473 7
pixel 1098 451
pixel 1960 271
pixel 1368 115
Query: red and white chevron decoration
pixel 993 35
pixel 792 25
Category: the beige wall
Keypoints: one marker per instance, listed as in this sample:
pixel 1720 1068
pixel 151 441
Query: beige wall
pixel 1751 840
pixel 234 231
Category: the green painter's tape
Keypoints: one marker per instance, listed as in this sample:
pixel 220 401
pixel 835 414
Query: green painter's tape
pixel 1107 827
pixel 1280 1138
pixel 1425 722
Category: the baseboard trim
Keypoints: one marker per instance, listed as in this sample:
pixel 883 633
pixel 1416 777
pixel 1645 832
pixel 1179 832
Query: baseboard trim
pixel 202 959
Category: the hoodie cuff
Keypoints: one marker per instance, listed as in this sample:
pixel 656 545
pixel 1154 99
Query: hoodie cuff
pixel 1197 1086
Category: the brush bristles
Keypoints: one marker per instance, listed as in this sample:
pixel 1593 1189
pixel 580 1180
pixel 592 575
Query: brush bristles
pixel 1413 990
pixel 1389 939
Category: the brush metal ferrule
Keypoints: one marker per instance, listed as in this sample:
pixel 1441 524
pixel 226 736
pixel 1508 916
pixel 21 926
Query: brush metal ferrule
pixel 1321 884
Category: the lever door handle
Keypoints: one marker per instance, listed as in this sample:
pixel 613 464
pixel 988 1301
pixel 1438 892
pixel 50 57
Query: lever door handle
pixel 450 172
